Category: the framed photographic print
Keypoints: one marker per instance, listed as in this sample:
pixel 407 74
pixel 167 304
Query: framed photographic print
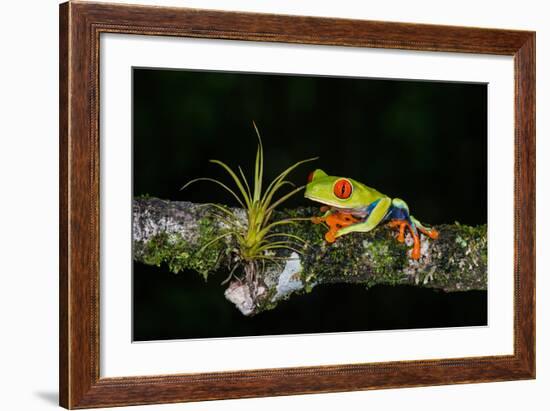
pixel 256 205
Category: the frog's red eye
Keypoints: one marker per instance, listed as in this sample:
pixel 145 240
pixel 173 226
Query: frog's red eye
pixel 343 189
pixel 310 177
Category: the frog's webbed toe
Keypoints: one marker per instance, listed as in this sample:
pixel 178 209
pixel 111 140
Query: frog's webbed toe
pixel 330 236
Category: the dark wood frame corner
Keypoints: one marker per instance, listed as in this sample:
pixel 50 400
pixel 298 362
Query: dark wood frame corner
pixel 80 27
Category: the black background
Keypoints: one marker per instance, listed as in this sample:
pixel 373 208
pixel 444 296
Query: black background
pixel 425 142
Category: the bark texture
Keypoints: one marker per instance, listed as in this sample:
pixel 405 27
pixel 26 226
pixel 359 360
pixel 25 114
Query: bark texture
pixel 174 232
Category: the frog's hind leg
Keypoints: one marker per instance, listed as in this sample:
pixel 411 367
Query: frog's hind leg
pixel 399 217
pixel 430 232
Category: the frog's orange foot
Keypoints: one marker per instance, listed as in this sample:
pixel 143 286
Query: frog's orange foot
pixel 433 234
pixel 335 222
pixel 415 253
pixel 401 224
pixel 401 235
pixel 339 220
pixel 330 236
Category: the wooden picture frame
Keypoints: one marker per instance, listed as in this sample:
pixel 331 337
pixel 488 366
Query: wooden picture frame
pixel 80 27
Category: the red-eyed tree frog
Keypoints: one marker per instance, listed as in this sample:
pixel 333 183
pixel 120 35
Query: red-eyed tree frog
pixel 351 206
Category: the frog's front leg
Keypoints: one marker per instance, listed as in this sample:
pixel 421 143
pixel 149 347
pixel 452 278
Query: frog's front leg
pixel 335 220
pixel 376 215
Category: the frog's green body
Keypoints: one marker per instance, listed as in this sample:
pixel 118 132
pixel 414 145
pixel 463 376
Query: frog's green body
pixel 355 207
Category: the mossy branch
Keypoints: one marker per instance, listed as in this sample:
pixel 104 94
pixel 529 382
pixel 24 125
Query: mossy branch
pixel 175 233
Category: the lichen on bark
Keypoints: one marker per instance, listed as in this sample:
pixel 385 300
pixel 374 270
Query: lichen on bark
pixel 173 233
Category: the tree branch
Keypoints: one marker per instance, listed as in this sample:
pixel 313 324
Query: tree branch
pixel 173 233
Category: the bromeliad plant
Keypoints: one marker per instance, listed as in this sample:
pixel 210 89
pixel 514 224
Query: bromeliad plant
pixel 257 241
